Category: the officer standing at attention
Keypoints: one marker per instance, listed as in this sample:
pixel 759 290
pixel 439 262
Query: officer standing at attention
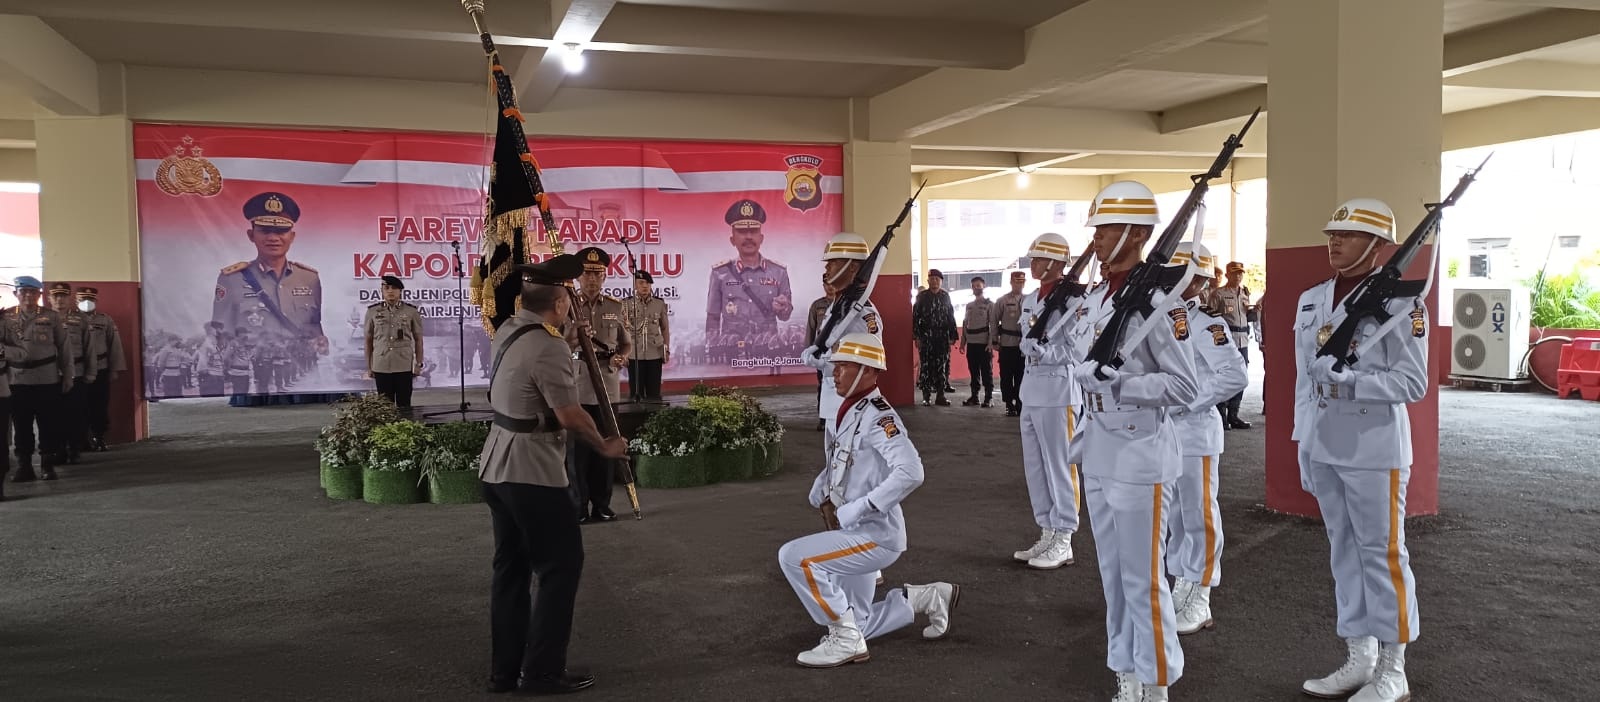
pixel 751 294
pixel 979 331
pixel 842 258
pixel 393 330
pixel 1194 541
pixel 1355 456
pixel 1232 302
pixel 534 394
pixel 1008 337
pixel 74 408
pixel 607 323
pixel 1049 412
pixel 7 352
pixel 814 316
pixel 105 345
pixel 873 468
pixel 652 338
pixel 212 363
pixel 271 294
pixel 1130 452
pixel 41 371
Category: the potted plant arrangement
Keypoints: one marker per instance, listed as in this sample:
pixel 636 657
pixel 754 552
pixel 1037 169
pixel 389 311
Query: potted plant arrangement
pixel 727 442
pixel 342 445
pixel 762 431
pixel 393 474
pixel 450 462
pixel 670 447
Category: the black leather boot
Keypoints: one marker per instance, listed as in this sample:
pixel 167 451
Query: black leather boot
pixel 24 470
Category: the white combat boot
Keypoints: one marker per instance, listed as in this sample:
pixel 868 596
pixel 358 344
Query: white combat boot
pixel 1389 683
pixel 1358 670
pixel 1154 693
pixel 1057 554
pixel 1181 590
pixel 1196 612
pixel 1129 688
pixel 843 644
pixel 937 600
pixel 1046 537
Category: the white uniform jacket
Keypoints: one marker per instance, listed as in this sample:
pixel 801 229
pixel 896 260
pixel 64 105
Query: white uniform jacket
pixel 873 467
pixel 1047 380
pixel 868 322
pixel 1360 424
pixel 1220 371
pixel 1130 436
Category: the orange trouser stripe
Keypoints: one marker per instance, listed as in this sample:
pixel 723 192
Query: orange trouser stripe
pixel 1156 581
pixel 1072 470
pixel 1395 574
pixel 811 579
pixel 1211 525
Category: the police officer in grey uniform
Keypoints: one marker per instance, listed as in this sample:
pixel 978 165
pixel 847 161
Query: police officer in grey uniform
pixel 7 352
pixel 74 408
pixel 751 294
pixel 652 338
pixel 1008 340
pixel 1232 301
pixel 613 345
pixel 271 295
pixel 104 345
pixel 393 330
pixel 980 328
pixel 41 371
pixel 534 395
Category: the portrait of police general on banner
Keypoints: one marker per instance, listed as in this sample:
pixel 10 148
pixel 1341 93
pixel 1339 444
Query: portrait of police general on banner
pixel 262 250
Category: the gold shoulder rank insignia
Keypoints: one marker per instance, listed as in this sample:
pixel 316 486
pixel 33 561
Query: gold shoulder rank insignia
pixel 1419 325
pixel 235 268
pixel 1219 334
pixel 1209 311
pixel 881 404
pixel 298 264
pixel 890 429
pixel 1180 323
pixel 553 330
pixel 871 320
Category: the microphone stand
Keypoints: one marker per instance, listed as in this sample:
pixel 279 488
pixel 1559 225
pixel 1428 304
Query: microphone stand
pixel 461 336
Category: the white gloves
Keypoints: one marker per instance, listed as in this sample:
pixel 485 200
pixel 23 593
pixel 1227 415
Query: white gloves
pixel 1031 349
pixel 1322 371
pixel 852 512
pixel 810 358
pixel 1085 375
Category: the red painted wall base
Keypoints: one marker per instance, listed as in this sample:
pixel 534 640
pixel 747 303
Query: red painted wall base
pixel 120 299
pixel 1291 271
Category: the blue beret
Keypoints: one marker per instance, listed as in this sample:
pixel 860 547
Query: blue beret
pixel 746 213
pixel 27 281
pixel 272 210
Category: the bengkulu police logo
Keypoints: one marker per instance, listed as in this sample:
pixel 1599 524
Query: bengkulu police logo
pixel 186 173
pixel 804 191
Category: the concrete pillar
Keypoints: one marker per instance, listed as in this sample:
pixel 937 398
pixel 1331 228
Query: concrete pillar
pixel 876 187
pixel 89 228
pixel 1348 120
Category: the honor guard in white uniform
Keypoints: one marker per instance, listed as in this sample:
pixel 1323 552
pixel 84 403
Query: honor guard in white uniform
pixel 873 468
pixel 842 258
pixel 1194 540
pixel 1129 450
pixel 1049 412
pixel 1355 456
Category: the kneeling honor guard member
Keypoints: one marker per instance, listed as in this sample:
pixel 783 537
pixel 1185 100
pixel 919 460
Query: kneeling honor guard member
pixel 1355 457
pixel 394 343
pixel 873 469
pixel 1130 452
pixel 534 395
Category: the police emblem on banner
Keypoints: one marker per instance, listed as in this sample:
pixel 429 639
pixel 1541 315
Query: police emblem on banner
pixel 804 190
pixel 184 172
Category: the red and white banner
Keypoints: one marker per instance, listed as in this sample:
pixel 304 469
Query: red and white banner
pixel 372 204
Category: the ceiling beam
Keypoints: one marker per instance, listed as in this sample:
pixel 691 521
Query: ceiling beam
pixel 1215 60
pixel 1079 131
pixel 1515 121
pixel 540 73
pixel 39 63
pixel 809 37
pixel 1536 78
pixel 1464 52
pixel 16 133
pixel 1091 40
pixel 1570 4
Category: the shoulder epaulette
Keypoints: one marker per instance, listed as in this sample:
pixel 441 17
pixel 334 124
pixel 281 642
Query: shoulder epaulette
pixel 297 264
pixel 882 404
pixel 775 263
pixel 607 298
pixel 407 304
pixel 1207 310
pixel 375 304
pixel 235 268
pixel 553 330
pixel 722 263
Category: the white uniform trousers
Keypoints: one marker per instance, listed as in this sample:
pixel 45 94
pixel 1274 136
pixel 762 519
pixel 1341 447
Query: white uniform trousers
pixel 1129 521
pixel 833 571
pixel 1052 481
pixel 1194 547
pixel 1364 512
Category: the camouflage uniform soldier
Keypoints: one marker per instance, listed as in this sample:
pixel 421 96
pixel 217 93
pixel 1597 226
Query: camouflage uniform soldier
pixel 750 294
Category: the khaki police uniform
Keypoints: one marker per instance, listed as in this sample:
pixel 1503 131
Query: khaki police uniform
pixel 212 365
pixel 392 331
pixel 1131 458
pixel 282 301
pixel 609 325
pixel 1233 306
pixel 648 318
pixel 741 300
pixel 74 417
pixel 104 345
pixel 7 352
pixel 39 374
pixel 980 326
pixel 1008 334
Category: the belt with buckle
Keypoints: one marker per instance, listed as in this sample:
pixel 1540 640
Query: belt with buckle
pixel 30 365
pixel 543 423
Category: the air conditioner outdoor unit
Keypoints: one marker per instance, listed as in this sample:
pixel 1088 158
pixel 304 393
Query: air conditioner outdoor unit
pixel 1490 334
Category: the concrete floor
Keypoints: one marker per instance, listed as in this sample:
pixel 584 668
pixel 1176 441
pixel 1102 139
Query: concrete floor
pixel 206 564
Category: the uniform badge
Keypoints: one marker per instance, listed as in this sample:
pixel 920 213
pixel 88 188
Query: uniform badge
pixel 889 429
pixel 184 172
pixel 731 308
pixel 871 321
pixel 881 404
pixel 1219 334
pixel 1323 334
pixel 804 191
pixel 1419 326
pixel 1180 323
pixel 221 293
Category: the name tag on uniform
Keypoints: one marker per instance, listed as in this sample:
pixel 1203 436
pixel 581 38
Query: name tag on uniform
pixel 1309 307
pixel 609 315
pixel 301 291
pixel 251 293
pixel 769 281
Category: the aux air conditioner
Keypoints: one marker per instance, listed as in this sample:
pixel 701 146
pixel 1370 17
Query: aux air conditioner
pixel 1490 334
